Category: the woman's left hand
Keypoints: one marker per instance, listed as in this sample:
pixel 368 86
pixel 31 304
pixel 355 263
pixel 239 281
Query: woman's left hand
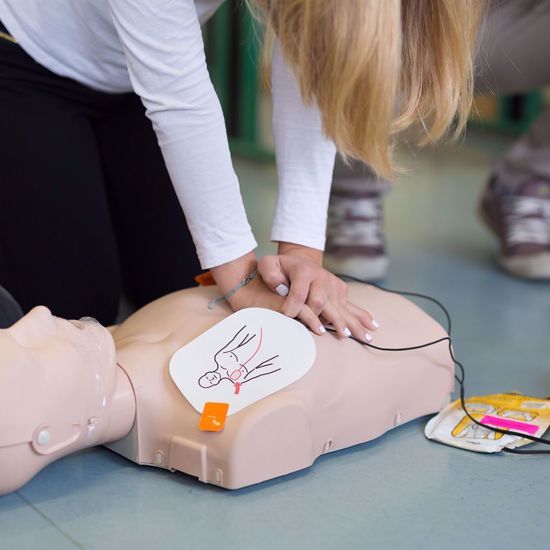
pixel 297 273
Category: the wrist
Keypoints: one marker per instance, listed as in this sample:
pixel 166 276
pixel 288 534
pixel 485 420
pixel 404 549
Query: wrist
pixel 232 273
pixel 304 251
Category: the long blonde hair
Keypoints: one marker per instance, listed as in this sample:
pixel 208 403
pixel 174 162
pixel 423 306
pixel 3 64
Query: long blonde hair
pixel 374 67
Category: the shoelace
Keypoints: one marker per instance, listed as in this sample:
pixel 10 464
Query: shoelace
pixel 355 222
pixel 528 220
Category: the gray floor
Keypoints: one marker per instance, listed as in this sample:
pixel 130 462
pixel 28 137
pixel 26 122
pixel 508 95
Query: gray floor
pixel 401 491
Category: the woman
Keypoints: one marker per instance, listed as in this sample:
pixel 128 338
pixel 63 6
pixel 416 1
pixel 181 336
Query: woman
pixel 86 197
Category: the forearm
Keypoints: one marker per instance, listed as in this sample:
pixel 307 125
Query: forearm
pixel 207 188
pixel 167 67
pixel 305 162
pixel 231 273
pixel 303 251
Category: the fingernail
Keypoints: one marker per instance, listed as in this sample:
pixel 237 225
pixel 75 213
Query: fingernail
pixel 368 337
pixel 322 329
pixel 281 290
pixel 375 324
pixel 347 332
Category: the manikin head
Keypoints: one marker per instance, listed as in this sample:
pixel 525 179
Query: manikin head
pixel 56 380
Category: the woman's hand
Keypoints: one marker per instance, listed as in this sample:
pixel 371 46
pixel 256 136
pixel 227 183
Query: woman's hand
pixel 313 293
pixel 294 283
pixel 256 293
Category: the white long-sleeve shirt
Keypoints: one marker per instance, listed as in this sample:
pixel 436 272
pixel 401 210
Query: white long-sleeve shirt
pixel 155 48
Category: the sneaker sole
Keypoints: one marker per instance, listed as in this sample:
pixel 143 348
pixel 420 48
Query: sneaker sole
pixel 535 266
pixel 373 269
pixel 532 266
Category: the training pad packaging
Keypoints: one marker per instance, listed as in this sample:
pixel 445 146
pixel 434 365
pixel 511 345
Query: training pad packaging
pixel 508 411
pixel 249 355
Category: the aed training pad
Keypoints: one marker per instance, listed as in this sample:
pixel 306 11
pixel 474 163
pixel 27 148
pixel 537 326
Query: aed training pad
pixel 245 357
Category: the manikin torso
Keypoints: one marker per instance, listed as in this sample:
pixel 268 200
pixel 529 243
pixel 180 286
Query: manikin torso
pixel 350 395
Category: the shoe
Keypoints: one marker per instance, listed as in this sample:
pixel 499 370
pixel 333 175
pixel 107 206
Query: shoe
pixel 355 236
pixel 520 218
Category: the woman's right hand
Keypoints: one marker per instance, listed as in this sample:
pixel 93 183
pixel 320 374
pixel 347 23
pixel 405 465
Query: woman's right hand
pixel 254 294
pixel 257 294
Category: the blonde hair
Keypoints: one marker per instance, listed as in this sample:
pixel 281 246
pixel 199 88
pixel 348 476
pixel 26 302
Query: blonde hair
pixel 374 67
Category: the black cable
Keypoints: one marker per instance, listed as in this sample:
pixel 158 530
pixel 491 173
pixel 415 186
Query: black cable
pixel 461 379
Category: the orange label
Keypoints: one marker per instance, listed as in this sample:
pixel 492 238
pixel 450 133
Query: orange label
pixel 213 417
pixel 205 279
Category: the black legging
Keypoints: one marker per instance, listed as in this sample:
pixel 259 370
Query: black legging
pixel 87 209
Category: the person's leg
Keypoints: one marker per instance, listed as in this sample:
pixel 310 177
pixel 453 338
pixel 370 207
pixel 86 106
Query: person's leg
pixel 156 250
pixel 56 242
pixel 355 233
pixel 513 57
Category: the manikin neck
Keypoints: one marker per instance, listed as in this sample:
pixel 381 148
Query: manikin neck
pixel 122 411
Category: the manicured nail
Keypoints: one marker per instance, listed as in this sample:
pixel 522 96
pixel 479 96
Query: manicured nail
pixel 347 332
pixel 281 290
pixel 368 337
pixel 375 324
pixel 322 329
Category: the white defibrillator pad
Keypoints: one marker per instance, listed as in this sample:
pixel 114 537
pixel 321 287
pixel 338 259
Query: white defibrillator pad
pixel 505 411
pixel 249 355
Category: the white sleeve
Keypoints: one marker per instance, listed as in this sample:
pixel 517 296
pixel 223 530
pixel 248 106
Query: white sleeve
pixel 305 161
pixel 164 51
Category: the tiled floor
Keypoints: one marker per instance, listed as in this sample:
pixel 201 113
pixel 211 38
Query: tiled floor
pixel 398 492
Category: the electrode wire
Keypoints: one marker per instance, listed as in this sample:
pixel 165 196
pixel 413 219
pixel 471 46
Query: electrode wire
pixel 460 379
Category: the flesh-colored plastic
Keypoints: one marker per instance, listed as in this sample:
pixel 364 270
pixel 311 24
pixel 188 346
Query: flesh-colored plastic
pixel 351 395
pixel 61 391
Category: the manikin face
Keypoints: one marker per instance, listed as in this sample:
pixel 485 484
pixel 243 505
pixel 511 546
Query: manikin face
pixel 52 373
pixel 40 330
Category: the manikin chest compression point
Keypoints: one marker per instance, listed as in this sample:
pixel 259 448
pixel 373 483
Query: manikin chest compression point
pixel 350 395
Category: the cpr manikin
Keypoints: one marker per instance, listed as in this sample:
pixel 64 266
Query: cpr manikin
pixel 67 385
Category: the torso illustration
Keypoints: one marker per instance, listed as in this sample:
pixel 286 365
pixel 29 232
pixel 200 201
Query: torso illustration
pixel 241 360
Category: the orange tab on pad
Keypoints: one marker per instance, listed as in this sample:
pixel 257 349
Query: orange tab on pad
pixel 205 279
pixel 213 417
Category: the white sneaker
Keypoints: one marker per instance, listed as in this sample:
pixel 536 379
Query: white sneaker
pixel 355 236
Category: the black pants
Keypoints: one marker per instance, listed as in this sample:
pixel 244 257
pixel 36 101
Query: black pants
pixel 87 210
